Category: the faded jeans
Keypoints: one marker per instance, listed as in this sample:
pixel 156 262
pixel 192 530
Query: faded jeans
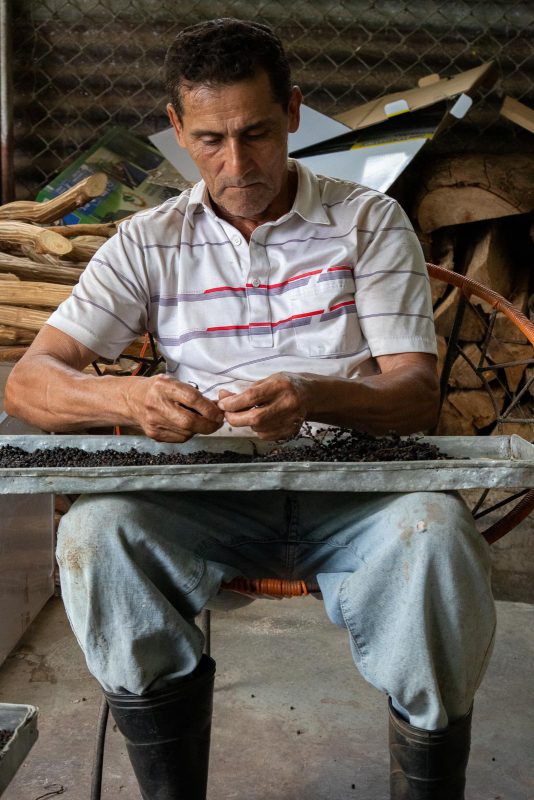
pixel 406 574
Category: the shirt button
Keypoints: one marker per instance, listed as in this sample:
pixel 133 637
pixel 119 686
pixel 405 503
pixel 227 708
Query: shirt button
pixel 256 282
pixel 236 240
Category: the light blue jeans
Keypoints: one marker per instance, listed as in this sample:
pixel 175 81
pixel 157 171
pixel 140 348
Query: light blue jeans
pixel 406 574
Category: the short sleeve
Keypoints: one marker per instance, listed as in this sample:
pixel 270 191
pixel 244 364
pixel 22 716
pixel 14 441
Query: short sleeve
pixel 108 307
pixel 393 296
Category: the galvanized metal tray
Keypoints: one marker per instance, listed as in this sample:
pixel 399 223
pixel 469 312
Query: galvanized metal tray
pixel 506 462
pixel 22 720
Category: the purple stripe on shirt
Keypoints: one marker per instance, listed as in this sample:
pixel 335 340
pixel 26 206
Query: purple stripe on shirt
pixel 175 341
pixel 130 239
pixel 118 274
pixel 169 211
pixel 338 312
pixel 396 314
pixel 395 272
pixel 270 358
pixel 106 311
pixel 317 238
pixel 174 246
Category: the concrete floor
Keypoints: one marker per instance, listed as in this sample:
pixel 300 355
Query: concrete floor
pixel 293 719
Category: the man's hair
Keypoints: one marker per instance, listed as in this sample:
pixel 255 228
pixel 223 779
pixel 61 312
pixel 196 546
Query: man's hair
pixel 223 51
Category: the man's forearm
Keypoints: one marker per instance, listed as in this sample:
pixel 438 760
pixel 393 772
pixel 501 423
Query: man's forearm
pixel 403 397
pixel 56 397
pixel 395 401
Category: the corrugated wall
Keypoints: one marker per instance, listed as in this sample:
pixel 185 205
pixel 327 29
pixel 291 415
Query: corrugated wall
pixel 82 66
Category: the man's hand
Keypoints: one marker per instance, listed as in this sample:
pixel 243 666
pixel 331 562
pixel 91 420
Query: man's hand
pixel 274 407
pixel 170 411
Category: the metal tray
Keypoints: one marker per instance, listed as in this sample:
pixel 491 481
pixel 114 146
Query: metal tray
pixel 22 720
pixel 505 462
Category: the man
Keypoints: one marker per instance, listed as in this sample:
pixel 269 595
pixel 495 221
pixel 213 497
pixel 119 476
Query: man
pixel 275 297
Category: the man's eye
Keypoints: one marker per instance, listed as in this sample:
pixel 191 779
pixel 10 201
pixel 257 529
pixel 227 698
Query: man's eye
pixel 211 140
pixel 255 135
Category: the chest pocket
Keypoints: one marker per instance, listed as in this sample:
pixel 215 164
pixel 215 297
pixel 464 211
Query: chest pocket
pixel 325 322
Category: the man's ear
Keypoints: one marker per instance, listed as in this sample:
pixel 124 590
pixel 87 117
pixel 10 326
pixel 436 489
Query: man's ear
pixel 176 124
pixel 293 109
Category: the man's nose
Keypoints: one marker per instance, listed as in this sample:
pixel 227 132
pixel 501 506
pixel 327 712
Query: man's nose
pixel 237 158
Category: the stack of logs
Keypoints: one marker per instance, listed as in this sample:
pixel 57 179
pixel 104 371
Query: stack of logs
pixel 41 260
pixel 473 215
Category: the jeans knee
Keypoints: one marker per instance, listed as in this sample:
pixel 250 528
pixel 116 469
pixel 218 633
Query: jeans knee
pixel 89 529
pixel 438 521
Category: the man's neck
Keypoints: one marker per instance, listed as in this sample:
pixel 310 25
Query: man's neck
pixel 280 206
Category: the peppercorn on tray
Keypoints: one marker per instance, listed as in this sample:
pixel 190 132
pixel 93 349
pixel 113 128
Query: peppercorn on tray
pixel 505 462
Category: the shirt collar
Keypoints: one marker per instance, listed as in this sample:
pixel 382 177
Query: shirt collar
pixel 307 203
pixel 198 196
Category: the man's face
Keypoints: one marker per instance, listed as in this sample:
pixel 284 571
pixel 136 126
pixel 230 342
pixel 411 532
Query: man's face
pixel 237 137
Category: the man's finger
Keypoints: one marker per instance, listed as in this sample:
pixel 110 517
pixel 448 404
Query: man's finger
pixel 190 398
pixel 177 423
pixel 225 393
pixel 250 398
pixel 182 417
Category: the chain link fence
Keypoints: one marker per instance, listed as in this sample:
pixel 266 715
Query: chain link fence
pixel 82 66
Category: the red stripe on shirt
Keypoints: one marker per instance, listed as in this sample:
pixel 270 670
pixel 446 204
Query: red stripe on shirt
pixel 340 305
pixel 265 324
pixel 277 285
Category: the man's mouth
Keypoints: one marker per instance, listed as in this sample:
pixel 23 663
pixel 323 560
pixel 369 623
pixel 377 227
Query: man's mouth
pixel 243 185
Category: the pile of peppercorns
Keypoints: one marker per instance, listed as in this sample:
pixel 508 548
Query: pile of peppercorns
pixel 330 445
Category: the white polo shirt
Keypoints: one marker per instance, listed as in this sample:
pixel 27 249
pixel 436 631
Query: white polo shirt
pixel 337 280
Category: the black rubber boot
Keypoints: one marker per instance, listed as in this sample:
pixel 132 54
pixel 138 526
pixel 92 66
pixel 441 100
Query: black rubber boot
pixel 168 735
pixel 428 765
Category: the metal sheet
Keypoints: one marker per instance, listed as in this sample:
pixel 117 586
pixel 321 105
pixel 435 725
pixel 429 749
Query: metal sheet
pixel 506 462
pixel 22 720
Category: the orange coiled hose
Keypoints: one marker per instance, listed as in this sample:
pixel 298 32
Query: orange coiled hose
pixel 469 287
pixel 273 587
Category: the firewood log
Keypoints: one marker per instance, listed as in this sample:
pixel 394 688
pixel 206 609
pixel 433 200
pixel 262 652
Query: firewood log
pixel 9 336
pixel 476 406
pixel 33 293
pixel 475 187
pixel 104 229
pixel 473 326
pixel 442 352
pixel 453 423
pixel 29 319
pixel 107 369
pixel 56 208
pixel 12 354
pixel 503 328
pixel 491 264
pixel 84 247
pixel 38 239
pixel 53 271
pixel 8 276
pixel 462 374
pixel 525 429
pixel 508 353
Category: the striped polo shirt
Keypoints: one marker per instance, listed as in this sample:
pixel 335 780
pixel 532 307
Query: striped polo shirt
pixel 337 280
